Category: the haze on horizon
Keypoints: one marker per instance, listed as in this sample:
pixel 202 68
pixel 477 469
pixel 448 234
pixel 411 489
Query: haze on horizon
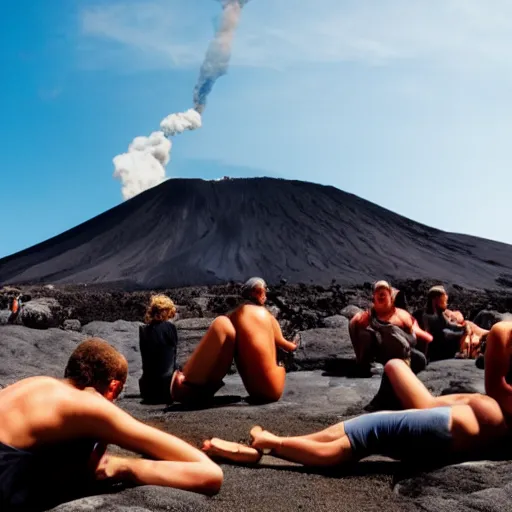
pixel 406 105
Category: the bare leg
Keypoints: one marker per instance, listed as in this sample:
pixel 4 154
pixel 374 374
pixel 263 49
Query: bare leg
pixel 303 450
pixel 412 393
pixel 212 358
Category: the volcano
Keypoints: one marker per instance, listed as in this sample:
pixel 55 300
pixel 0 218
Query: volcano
pixel 190 232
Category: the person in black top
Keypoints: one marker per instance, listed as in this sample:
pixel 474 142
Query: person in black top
pixel 158 340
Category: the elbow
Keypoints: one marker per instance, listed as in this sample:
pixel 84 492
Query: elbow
pixel 212 479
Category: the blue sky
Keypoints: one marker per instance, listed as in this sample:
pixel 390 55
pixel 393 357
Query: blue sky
pixel 404 103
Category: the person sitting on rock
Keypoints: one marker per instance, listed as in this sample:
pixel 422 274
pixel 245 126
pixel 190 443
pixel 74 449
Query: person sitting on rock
pixel 249 335
pixel 453 336
pixel 158 342
pixel 431 429
pixel 54 434
pixel 385 332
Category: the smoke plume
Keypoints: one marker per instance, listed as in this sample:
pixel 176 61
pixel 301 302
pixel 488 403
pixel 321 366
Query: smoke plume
pixel 143 166
pixel 216 61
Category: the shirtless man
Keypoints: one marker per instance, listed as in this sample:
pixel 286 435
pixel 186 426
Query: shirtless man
pixel 54 433
pixel 452 334
pixel 457 427
pixel 249 335
pixel 382 312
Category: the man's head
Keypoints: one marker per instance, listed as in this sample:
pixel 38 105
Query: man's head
pixel 382 295
pixel 255 289
pixel 437 299
pixel 95 363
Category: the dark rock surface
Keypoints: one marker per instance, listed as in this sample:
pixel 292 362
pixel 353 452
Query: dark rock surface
pixel 312 400
pixel 41 313
pixel 486 319
pixel 72 325
pixel 195 232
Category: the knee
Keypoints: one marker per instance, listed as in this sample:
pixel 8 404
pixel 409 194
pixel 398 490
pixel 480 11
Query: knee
pixel 224 325
pixel 393 368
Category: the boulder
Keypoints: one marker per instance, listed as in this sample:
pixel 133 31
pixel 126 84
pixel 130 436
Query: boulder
pixel 72 325
pixel 336 322
pixel 487 318
pixel 350 311
pixel 320 348
pixel 41 313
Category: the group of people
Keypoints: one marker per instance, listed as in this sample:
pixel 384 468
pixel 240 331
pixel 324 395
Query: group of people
pixel 386 331
pixel 54 432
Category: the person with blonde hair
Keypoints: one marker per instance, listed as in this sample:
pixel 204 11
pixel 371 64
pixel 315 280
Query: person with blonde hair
pixel 248 335
pixel 158 341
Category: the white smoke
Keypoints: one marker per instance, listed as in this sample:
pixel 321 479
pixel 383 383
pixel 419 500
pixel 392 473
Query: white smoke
pixel 178 123
pixel 143 166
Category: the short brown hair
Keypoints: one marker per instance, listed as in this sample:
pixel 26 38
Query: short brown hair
pixel 161 308
pixel 95 363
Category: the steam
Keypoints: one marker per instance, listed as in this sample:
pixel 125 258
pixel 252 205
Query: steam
pixel 143 166
pixel 218 55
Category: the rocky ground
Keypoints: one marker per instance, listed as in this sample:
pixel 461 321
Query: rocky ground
pixel 324 392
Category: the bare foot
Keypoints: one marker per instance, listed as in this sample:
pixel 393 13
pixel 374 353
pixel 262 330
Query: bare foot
pixel 235 452
pixel 263 440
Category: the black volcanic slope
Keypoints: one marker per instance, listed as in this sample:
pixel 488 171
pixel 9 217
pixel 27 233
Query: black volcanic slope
pixel 195 232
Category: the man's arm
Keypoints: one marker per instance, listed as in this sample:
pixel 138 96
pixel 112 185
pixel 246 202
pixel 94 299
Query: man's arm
pixel 178 464
pixel 497 365
pixel 280 341
pixel 412 324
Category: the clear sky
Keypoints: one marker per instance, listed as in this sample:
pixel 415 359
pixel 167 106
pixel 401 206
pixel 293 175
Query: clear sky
pixel 405 103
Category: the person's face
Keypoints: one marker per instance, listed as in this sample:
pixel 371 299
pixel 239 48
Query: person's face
pixel 442 302
pixel 382 298
pixel 260 294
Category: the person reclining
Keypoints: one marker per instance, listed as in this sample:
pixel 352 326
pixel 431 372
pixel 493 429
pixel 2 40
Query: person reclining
pixel 249 335
pixel 54 434
pixel 386 332
pixel 453 336
pixel 413 394
pixel 441 429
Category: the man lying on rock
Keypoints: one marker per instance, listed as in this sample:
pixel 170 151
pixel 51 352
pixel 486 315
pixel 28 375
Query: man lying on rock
pixel 453 336
pixel 249 335
pixel 54 433
pixel 441 429
pixel 386 332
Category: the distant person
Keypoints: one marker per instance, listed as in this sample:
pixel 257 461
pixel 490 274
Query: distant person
pixel 249 335
pixel 158 341
pixel 452 427
pixel 54 434
pixel 15 309
pixel 453 336
pixel 385 331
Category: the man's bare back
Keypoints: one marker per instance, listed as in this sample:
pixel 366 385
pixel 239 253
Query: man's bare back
pixel 56 431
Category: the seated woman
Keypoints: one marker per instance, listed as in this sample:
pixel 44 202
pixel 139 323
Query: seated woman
pixel 158 341
pixel 386 332
pixel 249 335
pixel 453 336
pixel 457 426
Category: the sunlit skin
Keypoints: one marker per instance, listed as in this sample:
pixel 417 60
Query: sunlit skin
pixel 477 422
pixel 250 335
pixel 387 312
